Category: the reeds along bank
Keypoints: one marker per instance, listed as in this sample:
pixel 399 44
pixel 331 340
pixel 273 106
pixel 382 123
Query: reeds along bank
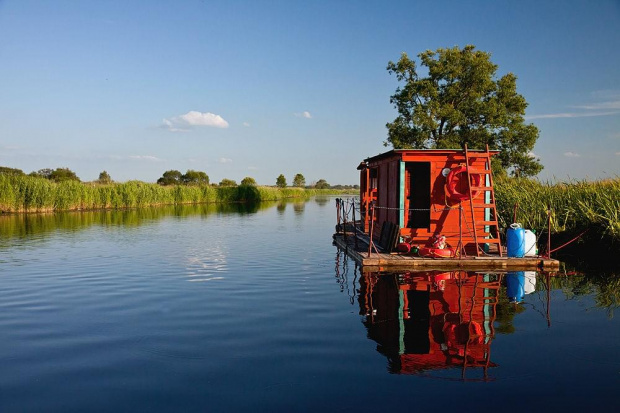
pixel 574 206
pixel 34 194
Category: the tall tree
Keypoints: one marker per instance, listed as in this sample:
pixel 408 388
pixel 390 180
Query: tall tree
pixel 299 181
pixel 248 181
pixel 281 181
pixel 171 177
pixel 192 177
pixel 228 182
pixel 63 174
pixel 461 102
pixel 321 184
pixel 104 178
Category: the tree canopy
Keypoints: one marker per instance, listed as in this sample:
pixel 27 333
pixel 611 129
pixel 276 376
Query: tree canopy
pixel 56 175
pixel 104 178
pixel 321 184
pixel 192 177
pixel 228 182
pixel 248 181
pixel 171 177
pixel 299 181
pixel 460 102
pixel 281 181
pixel 11 171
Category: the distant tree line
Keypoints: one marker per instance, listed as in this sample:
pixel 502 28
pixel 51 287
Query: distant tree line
pixel 174 177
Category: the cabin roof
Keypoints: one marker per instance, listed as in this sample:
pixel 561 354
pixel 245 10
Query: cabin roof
pixel 400 152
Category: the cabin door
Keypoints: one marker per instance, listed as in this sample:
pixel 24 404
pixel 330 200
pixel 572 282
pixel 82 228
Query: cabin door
pixel 418 194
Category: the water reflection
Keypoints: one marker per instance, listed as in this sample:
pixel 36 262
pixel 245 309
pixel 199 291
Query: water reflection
pixel 28 225
pixel 431 320
pixel 440 324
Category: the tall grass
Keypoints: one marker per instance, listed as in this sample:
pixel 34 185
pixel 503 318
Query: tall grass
pixel 34 194
pixel 575 205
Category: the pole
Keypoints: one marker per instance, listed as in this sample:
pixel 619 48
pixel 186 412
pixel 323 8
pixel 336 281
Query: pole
pixel 372 226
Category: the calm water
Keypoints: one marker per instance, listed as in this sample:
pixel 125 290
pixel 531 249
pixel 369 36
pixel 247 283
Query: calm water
pixel 220 309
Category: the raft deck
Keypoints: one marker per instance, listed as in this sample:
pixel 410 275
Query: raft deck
pixel 395 261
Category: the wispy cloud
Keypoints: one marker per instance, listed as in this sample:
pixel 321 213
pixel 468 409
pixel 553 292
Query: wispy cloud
pixel 304 114
pixel 606 103
pixel 571 115
pixel 224 160
pixel 617 153
pixel 150 158
pixel 571 154
pixel 246 124
pixel 184 123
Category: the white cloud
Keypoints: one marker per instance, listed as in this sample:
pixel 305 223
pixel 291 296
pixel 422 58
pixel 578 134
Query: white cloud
pixel 145 158
pixel 602 106
pixel 533 155
pixel 304 114
pixel 184 123
pixel 571 154
pixel 570 115
pixel 224 160
pixel 246 124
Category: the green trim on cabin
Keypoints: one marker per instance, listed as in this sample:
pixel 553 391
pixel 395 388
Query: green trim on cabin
pixel 401 213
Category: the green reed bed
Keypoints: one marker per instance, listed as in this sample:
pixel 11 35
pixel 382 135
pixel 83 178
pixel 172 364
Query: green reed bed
pixel 34 194
pixel 575 206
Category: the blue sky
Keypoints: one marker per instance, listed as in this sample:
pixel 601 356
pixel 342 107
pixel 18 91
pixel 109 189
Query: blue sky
pixel 260 88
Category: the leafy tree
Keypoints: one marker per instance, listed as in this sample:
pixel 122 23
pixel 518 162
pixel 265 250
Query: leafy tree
pixel 321 184
pixel 228 182
pixel 281 181
pixel 195 177
pixel 248 181
pixel 11 171
pixel 63 174
pixel 42 173
pixel 299 181
pixel 461 102
pixel 171 177
pixel 104 178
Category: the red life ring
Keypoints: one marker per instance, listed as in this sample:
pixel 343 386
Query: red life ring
pixel 453 180
pixel 436 252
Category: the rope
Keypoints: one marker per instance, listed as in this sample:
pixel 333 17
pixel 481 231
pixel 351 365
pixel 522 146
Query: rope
pixel 569 242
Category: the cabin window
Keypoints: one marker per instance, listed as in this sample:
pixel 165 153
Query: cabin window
pixel 418 193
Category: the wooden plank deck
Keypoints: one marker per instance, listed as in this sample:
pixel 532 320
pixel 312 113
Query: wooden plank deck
pixel 384 262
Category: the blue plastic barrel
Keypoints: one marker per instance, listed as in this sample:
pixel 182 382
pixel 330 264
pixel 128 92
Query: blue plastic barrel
pixel 515 241
pixel 515 286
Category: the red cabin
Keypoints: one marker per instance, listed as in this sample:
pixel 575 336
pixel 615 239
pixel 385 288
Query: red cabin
pixel 426 194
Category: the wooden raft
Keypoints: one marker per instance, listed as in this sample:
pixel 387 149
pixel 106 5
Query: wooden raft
pixel 393 261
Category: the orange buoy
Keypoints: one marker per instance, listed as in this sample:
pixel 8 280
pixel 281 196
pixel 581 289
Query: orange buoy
pixel 455 179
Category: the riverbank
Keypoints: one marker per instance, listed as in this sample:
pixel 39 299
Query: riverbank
pixel 33 194
pixel 589 211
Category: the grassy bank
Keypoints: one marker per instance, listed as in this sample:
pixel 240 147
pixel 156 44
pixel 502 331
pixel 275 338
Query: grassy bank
pixel 576 206
pixel 33 194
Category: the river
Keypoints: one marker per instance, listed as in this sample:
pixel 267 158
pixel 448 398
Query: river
pixel 235 308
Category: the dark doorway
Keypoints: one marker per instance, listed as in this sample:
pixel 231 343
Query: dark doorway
pixel 419 194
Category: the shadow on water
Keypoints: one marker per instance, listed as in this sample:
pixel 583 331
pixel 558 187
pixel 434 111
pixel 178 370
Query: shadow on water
pixel 427 323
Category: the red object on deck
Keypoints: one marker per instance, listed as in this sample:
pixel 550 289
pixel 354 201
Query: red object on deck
pixel 436 252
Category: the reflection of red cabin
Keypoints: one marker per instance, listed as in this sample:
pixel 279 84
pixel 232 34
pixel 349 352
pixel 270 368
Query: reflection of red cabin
pixel 431 321
pixel 410 189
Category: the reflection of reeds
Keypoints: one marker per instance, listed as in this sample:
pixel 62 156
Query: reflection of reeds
pixel 575 205
pixel 34 194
